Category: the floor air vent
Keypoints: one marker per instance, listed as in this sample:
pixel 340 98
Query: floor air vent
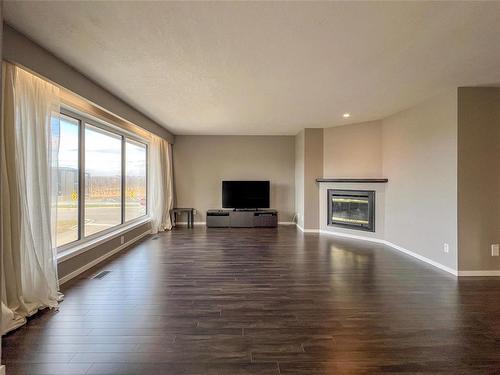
pixel 101 274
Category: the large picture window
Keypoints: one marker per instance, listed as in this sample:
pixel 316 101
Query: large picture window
pixel 101 178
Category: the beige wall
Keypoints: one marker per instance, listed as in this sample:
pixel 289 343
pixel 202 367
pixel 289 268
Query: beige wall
pixel 202 162
pixel 353 150
pixel 419 156
pixel 299 178
pixel 478 177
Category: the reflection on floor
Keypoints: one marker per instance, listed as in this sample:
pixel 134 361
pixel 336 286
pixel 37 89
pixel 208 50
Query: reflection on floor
pixel 263 301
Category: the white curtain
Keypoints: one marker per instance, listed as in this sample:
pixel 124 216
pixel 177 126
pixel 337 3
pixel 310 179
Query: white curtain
pixel 28 192
pixel 161 181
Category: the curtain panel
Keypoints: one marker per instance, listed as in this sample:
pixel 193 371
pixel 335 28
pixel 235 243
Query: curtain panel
pixel 161 192
pixel 28 192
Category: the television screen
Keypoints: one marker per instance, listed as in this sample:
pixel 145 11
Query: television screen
pixel 245 194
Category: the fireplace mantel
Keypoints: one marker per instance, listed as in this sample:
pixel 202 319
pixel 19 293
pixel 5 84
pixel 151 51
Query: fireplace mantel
pixel 351 180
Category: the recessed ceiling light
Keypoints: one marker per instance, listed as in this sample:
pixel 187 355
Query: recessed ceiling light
pixel 346 115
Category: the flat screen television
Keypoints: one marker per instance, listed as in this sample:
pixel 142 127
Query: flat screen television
pixel 245 194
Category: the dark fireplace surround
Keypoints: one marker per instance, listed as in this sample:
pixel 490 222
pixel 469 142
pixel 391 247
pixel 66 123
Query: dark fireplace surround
pixel 352 209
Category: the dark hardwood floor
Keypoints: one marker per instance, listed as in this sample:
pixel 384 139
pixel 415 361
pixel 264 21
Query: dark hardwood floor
pixel 263 301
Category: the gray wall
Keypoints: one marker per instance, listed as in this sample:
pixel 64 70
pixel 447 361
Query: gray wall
pixel 79 261
pixel 419 156
pixel 202 162
pixel 20 50
pixel 313 168
pixel 308 167
pixel 353 150
pixel 478 177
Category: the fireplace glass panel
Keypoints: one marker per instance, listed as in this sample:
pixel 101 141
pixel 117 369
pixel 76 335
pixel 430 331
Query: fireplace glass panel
pixel 353 209
pixel 350 210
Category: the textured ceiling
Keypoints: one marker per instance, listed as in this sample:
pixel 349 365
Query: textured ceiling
pixel 269 67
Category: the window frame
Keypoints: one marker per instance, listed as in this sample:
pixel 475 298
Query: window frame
pixel 78 234
pixel 120 137
pixel 84 119
pixel 124 180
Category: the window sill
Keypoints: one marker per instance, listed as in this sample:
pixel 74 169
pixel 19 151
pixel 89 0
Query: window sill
pixel 90 244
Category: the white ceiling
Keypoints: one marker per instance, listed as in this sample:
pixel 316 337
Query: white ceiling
pixel 269 67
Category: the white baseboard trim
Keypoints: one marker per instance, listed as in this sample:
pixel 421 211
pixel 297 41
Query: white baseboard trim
pixel 308 230
pixel 479 273
pixel 353 236
pixel 396 247
pixel 422 258
pixel 184 223
pixel 88 266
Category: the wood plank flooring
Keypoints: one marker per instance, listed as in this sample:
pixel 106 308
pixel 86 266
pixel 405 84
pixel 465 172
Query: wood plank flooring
pixel 267 302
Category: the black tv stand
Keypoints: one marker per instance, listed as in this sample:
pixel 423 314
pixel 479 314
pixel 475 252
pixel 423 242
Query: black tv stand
pixel 242 218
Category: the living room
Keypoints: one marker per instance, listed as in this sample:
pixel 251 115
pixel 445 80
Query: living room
pixel 259 188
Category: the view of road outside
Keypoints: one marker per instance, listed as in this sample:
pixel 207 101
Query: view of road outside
pixel 103 165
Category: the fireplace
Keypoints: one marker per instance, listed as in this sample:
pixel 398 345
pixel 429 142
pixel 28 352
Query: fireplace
pixel 353 209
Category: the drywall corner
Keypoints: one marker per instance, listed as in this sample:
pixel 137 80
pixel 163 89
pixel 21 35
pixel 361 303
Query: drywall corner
pixel 478 178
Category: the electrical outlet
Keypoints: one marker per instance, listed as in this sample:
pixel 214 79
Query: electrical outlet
pixel 122 240
pixel 446 247
pixel 495 250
